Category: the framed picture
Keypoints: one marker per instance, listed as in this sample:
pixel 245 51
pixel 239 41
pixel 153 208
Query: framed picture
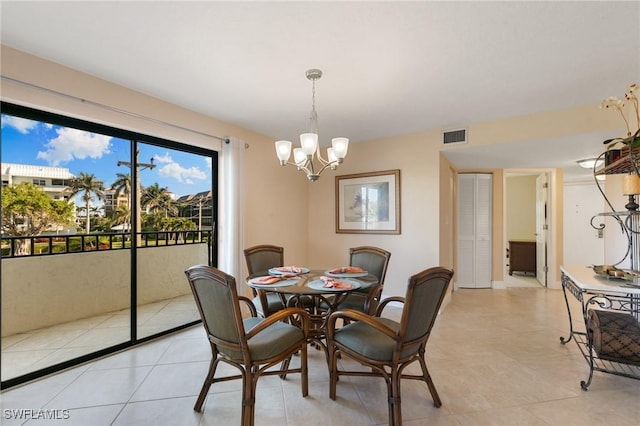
pixel 368 203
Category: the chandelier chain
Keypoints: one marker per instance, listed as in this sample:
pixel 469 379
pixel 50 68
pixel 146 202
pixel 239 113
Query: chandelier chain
pixel 313 94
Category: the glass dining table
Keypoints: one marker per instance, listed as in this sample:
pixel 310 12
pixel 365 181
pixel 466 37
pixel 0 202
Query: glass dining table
pixel 318 291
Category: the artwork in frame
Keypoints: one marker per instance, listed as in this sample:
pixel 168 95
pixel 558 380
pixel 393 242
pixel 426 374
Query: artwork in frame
pixel 368 203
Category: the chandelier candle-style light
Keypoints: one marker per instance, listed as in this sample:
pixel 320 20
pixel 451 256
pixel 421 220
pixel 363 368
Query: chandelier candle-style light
pixel 309 147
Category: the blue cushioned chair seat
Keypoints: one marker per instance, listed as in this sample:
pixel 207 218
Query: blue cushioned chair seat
pixel 368 341
pixel 269 342
pixel 274 303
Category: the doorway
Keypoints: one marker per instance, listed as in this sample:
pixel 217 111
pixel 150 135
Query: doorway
pixel 527 206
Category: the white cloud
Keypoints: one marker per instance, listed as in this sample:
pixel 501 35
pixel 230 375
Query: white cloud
pixel 208 161
pixel 166 158
pixel 176 171
pixel 22 125
pixel 74 144
pixel 182 174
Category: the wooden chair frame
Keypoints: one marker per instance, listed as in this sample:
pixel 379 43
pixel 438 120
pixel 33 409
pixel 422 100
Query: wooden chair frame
pixel 410 338
pixel 235 348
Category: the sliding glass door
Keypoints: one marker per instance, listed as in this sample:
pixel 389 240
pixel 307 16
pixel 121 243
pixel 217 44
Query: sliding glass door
pixel 98 225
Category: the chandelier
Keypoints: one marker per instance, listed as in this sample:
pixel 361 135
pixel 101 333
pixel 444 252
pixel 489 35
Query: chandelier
pixel 303 157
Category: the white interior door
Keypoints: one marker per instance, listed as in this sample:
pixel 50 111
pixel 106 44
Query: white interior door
pixel 542 227
pixel 474 231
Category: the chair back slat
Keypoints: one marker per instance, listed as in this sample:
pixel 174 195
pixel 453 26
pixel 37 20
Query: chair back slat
pixel 372 259
pixel 425 293
pixel 263 257
pixel 216 297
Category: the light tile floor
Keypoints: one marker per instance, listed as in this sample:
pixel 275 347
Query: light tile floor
pixel 33 350
pixel 494 355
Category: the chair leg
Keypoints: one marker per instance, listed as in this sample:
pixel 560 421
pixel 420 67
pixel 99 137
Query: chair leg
pixel 304 371
pixel 284 367
pixel 333 370
pixel 429 381
pixel 208 381
pixel 248 397
pixel 395 409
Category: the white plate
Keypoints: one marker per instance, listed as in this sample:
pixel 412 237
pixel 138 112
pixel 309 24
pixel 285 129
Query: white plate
pixel 319 285
pixel 346 274
pixel 284 283
pixel 275 271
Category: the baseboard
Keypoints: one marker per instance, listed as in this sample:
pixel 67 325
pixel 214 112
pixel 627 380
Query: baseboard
pixel 498 285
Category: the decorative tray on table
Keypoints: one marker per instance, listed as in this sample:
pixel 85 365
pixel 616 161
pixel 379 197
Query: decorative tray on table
pixel 613 273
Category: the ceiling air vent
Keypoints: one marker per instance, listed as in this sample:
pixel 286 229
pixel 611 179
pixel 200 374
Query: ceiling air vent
pixel 454 136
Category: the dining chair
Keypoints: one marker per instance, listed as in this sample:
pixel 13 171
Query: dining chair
pixel 375 261
pixel 253 345
pixel 259 260
pixel 386 346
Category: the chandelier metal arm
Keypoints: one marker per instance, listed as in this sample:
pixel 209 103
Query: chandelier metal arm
pixel 319 157
pixel 332 165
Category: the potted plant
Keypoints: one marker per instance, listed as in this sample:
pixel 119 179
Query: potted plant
pixel 632 139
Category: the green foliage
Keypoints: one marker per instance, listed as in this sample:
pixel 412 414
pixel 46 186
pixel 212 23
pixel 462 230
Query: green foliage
pixel 176 224
pixel 75 244
pixel 88 185
pixel 27 210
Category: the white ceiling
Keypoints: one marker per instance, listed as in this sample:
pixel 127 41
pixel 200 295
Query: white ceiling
pixel 390 68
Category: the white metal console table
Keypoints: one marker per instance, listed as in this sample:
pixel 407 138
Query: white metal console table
pixel 593 291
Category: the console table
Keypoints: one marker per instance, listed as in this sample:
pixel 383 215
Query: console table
pixel 612 296
pixel 522 256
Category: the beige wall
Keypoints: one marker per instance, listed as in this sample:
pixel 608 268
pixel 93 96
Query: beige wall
pixel 304 224
pixel 417 247
pixel 521 208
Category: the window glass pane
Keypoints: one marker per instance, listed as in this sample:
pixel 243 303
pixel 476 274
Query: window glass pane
pixel 65 268
pixel 176 226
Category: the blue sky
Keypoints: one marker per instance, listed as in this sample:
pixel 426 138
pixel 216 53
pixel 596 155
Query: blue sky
pixel 37 143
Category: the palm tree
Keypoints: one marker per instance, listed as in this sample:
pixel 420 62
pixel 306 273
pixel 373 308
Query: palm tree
pixel 157 201
pixel 122 184
pixel 87 185
pixel 122 215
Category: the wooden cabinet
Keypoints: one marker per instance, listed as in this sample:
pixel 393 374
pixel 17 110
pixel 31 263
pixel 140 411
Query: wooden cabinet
pixel 522 256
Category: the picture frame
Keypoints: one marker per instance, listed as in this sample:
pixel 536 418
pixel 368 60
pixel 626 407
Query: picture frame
pixel 368 203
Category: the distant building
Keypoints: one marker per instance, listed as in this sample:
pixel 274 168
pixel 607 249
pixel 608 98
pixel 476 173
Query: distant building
pixel 53 180
pixel 198 208
pixel 111 202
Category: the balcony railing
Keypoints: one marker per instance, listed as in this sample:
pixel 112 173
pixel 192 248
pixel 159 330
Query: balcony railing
pixel 43 245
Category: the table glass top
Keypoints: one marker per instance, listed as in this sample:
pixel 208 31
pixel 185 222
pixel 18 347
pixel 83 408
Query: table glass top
pixel 307 283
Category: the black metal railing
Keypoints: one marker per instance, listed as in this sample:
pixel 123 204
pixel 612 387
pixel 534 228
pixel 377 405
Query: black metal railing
pixel 43 245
